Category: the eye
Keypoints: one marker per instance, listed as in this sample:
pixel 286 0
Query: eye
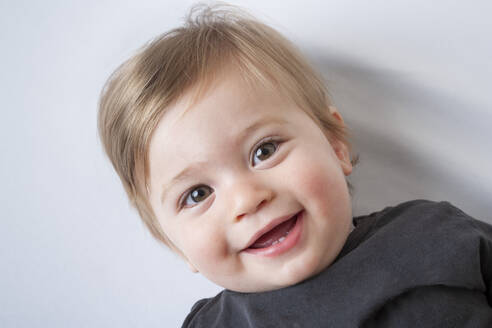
pixel 195 196
pixel 264 151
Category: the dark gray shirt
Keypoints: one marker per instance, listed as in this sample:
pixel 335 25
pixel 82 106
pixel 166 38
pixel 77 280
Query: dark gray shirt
pixel 417 264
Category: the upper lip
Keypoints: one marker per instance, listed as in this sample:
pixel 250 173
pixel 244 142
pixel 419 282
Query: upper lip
pixel 272 224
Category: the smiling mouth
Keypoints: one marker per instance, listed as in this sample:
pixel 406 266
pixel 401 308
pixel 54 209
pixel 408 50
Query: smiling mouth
pixel 276 235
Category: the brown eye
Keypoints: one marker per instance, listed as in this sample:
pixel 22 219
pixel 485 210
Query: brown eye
pixel 197 195
pixel 264 151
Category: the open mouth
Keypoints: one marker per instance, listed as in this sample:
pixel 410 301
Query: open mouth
pixel 276 235
pixel 278 239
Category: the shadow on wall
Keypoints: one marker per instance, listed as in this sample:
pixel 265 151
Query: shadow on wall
pixel 414 141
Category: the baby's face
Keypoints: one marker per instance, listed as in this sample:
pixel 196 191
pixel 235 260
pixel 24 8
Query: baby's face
pixel 248 188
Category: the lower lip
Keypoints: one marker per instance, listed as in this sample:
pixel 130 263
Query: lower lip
pixel 289 242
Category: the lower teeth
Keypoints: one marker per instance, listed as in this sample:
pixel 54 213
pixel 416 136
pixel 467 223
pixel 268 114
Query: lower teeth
pixel 281 239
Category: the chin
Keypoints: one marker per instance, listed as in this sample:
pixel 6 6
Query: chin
pixel 298 272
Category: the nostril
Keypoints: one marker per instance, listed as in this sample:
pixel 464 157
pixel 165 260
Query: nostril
pixel 250 202
pixel 260 205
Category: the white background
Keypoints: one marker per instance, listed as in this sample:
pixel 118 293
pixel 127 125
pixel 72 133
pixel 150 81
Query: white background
pixel 411 78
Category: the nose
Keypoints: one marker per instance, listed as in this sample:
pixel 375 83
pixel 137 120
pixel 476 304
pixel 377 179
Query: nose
pixel 248 196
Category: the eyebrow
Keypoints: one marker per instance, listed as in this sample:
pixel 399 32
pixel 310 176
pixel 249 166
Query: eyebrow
pixel 198 166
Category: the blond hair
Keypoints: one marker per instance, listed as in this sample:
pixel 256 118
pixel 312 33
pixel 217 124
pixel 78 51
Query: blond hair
pixel 140 90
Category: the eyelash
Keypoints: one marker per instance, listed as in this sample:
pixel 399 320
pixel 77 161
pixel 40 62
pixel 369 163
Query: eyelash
pixel 267 140
pixel 187 194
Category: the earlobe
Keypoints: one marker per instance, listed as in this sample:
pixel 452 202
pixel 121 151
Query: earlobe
pixel 340 148
pixel 346 167
pixel 334 112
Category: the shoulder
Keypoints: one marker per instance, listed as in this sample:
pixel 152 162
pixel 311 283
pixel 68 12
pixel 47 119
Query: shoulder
pixel 393 221
pixel 418 211
pixel 422 218
pixel 193 316
pixel 207 312
pixel 194 312
pixel 416 207
pixel 434 213
pixel 226 309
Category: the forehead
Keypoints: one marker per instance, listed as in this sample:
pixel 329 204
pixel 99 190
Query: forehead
pixel 229 104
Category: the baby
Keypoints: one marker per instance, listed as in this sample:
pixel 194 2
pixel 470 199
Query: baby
pixel 228 146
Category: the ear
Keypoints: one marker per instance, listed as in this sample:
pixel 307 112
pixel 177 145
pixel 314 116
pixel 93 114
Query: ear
pixel 340 148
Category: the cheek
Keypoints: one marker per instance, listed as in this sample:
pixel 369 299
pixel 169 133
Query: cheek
pixel 315 183
pixel 317 187
pixel 313 172
pixel 204 244
pixel 322 183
